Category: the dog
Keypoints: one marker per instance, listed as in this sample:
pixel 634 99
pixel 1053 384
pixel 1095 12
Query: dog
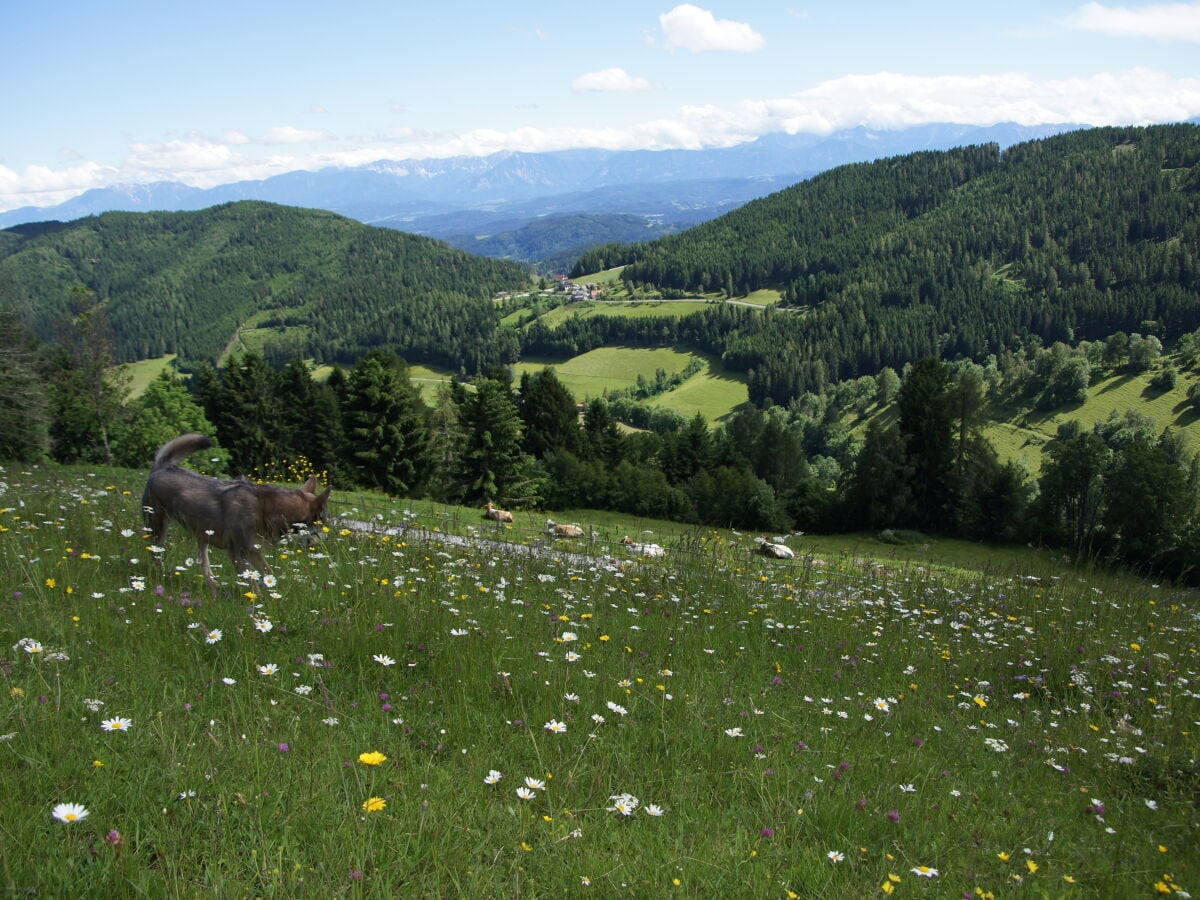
pixel 235 516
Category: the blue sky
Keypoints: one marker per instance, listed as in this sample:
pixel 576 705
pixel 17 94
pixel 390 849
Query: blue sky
pixel 125 91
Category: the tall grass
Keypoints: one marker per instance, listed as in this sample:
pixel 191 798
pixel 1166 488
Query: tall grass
pixel 807 729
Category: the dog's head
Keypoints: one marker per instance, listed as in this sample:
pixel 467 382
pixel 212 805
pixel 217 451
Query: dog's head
pixel 305 510
pixel 314 502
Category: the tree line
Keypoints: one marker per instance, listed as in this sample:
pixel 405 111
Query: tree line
pixel 1121 490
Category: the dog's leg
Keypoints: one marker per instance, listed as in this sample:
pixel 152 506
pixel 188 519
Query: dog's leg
pixel 207 567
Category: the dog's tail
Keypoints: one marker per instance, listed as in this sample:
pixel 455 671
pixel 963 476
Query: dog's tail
pixel 181 447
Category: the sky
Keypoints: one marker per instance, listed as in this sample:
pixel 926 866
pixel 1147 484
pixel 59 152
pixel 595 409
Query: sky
pixel 126 91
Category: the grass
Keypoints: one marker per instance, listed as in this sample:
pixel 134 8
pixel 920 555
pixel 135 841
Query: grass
pixel 611 368
pixel 713 393
pixel 144 371
pixel 808 729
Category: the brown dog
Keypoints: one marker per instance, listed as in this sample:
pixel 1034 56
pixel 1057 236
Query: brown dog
pixel 236 516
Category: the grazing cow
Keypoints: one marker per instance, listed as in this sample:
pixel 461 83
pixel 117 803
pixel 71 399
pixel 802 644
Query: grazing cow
pixel 636 549
pixel 556 530
pixel 497 515
pixel 774 551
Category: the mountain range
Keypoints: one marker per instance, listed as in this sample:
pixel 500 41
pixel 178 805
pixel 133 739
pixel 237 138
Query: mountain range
pixel 485 204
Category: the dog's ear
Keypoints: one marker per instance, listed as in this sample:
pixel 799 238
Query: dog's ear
pixel 324 495
pixel 310 486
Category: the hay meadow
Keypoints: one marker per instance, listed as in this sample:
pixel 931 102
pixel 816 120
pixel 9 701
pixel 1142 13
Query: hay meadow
pixel 421 706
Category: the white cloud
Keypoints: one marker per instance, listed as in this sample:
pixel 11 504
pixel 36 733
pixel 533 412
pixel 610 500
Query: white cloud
pixel 614 79
pixel 888 100
pixel 288 134
pixel 1163 21
pixel 42 186
pixel 699 30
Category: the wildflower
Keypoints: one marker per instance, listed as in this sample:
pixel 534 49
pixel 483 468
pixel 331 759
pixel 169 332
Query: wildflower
pixel 229 681
pixel 269 580
pixel 597 718
pixel 625 804
pixel 734 732
pixel 1031 866
pixel 525 793
pixel 585 881
pixel 383 660
pixel 374 804
pixel 653 809
pixel 1151 804
pixel 264 625
pixel 114 839
pixel 69 812
pixel 556 726
pixel 925 871
pixel 908 788
pixel 213 636
pixel 835 856
pixel 93 705
pixel 372 758
pixel 882 705
pixel 492 777
pixel 535 783
pixel 117 723
pixel 268 669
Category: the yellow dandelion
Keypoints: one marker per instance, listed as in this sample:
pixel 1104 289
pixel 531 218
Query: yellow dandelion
pixel 374 804
pixel 373 758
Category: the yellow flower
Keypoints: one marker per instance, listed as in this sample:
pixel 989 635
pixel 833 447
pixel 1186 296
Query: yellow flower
pixel 374 804
pixel 50 582
pixel 96 764
pixel 887 887
pixel 1004 856
pixel 1068 879
pixel 373 758
pixel 1031 866
pixel 525 846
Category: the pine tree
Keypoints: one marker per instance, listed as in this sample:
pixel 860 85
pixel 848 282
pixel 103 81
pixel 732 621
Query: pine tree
pixel 386 424
pixel 493 465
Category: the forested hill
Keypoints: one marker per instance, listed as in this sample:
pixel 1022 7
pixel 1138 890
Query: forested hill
pixel 950 253
pixel 322 285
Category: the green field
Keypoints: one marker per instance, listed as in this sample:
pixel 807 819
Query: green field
pixel 144 371
pixel 466 710
pixel 713 393
pixel 1024 436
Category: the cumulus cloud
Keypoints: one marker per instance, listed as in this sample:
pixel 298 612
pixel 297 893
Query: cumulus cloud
pixel 1162 21
pixel 614 79
pixel 699 30
pixel 288 134
pixel 43 186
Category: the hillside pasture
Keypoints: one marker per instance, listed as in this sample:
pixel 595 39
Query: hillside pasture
pixel 593 373
pixel 144 371
pixel 441 706
pixel 713 393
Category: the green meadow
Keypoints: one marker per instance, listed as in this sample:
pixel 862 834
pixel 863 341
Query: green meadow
pixel 430 705
pixel 593 373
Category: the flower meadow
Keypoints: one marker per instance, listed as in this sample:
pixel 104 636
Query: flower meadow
pixel 407 714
